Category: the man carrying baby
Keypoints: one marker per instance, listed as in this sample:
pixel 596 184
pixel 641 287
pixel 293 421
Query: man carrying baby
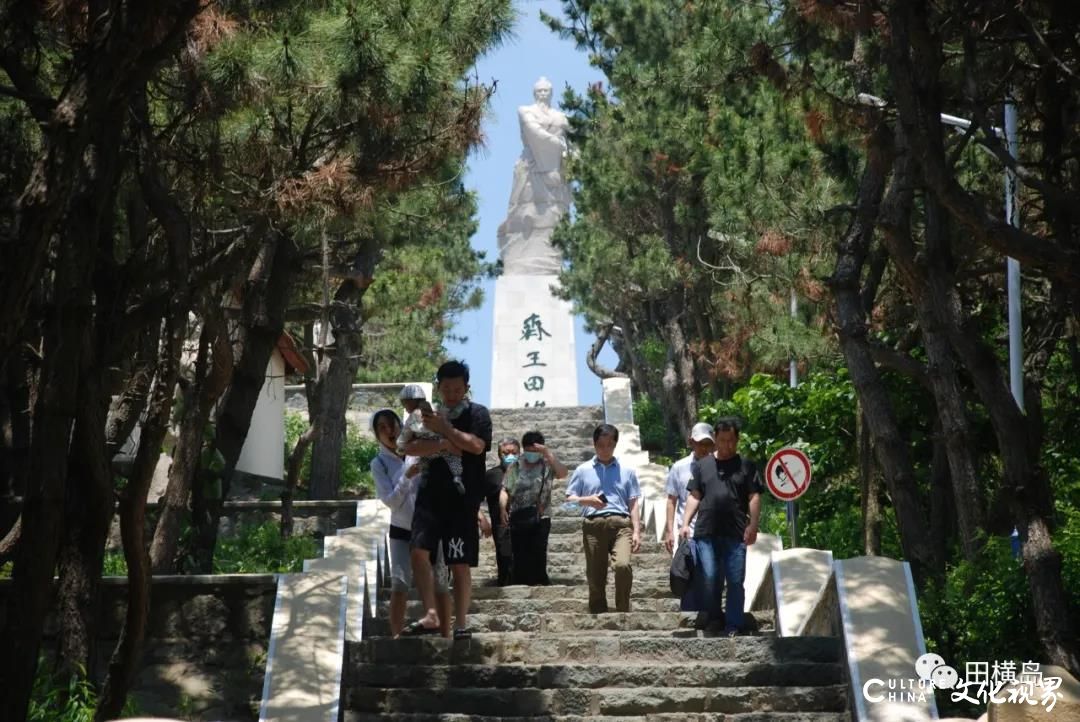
pixel 442 515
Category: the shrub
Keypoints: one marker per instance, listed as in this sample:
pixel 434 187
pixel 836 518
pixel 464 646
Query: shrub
pixel 259 549
pixel 356 454
pixel 54 699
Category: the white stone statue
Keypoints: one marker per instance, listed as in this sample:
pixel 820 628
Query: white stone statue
pixel 540 196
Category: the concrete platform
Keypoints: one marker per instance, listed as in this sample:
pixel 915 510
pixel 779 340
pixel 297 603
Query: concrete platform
pixel 307 643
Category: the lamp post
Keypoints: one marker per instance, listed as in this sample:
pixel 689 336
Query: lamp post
pixel 793 381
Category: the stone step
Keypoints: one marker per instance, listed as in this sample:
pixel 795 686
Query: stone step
pixel 566 605
pixel 559 676
pixel 574 572
pixel 568 529
pixel 661 717
pixel 549 623
pixel 653 557
pixel 599 701
pixel 642 647
pixel 643 589
pixel 571 542
pixel 562 676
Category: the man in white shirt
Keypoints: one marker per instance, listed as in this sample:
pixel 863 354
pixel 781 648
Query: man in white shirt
pixel 701 445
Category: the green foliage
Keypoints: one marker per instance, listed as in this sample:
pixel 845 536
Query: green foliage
pixel 295 425
pixel 649 418
pixel 114 563
pixel 356 454
pixel 698 196
pixel 253 549
pixel 73 700
pixel 818 417
pixel 259 549
pixel 981 612
pixel 427 276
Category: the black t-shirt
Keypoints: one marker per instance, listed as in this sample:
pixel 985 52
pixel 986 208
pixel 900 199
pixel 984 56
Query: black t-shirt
pixel 474 420
pixel 726 487
pixel 493 480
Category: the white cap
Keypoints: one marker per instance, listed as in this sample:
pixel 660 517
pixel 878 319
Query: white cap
pixel 702 432
pixel 412 391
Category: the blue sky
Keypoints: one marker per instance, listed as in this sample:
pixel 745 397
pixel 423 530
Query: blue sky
pixel 534 51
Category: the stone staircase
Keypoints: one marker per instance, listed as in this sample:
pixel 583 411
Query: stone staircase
pixel 536 652
pixel 567 430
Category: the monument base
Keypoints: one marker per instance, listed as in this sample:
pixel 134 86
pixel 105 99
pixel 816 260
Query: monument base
pixel 534 362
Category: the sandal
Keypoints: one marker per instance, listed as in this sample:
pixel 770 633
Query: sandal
pixel 417 629
pixel 462 633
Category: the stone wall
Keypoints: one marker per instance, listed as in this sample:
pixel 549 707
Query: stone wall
pixel 205 651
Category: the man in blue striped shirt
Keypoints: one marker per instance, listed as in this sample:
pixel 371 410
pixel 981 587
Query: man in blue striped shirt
pixel 611 497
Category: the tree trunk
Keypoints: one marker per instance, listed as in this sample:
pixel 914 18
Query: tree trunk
pixel 43 508
pixel 890 446
pixel 265 299
pixel 677 380
pixel 601 372
pixel 213 367
pixel 941 363
pixel 89 513
pixel 943 516
pixel 337 370
pixel 870 487
pixel 292 476
pixel 14 430
pixel 129 404
pixel 128 651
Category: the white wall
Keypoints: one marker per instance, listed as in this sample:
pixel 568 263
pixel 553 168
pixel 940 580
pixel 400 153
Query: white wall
pixel 263 453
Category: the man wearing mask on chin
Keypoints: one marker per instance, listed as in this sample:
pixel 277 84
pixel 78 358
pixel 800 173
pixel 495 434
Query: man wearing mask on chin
pixel 444 517
pixel 500 532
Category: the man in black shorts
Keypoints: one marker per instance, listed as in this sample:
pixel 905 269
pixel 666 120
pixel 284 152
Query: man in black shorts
pixel 442 514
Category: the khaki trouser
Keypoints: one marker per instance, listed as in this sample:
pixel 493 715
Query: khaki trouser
pixel 603 537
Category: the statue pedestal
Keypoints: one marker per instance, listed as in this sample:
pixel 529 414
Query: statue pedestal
pixel 534 362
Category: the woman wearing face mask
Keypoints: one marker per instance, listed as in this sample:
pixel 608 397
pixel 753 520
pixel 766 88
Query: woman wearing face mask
pixel 525 503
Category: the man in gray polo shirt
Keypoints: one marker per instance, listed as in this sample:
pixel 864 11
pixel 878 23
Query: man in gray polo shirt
pixel 610 497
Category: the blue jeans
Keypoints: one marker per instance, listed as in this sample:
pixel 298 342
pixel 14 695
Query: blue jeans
pixel 720 560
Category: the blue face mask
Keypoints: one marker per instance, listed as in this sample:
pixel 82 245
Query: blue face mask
pixel 532 456
pixel 509 459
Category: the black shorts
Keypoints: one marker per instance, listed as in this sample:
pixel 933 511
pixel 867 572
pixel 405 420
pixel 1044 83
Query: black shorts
pixel 450 520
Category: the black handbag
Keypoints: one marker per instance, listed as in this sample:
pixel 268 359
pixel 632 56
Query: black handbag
pixel 528 517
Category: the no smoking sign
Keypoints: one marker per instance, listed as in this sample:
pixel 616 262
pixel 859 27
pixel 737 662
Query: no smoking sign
pixel 788 474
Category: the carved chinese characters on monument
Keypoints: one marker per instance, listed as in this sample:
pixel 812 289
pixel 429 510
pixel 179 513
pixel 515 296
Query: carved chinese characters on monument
pixel 532 330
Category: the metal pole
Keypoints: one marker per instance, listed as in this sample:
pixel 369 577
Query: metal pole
pixel 793 381
pixel 1012 266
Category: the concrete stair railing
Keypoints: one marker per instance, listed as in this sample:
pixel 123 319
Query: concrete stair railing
pixel 315 613
pixel 307 638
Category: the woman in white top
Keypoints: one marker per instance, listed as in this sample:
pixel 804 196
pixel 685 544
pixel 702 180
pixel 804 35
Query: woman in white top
pixel 396 481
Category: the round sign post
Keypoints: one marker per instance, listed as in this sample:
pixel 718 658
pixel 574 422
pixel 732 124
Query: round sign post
pixel 787 475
